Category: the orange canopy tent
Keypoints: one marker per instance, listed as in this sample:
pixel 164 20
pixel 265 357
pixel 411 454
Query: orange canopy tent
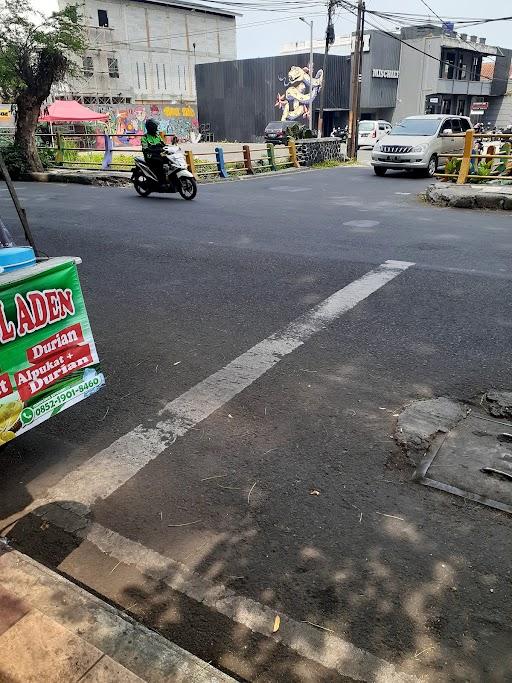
pixel 70 111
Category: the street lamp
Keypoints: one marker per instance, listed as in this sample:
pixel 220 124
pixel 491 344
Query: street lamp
pixel 310 24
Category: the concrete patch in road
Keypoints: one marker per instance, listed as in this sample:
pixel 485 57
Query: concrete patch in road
pixel 421 421
pixel 499 403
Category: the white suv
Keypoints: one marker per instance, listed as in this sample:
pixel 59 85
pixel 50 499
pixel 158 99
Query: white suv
pixel 417 142
pixel 368 132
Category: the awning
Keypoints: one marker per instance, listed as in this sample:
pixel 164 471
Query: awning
pixel 69 111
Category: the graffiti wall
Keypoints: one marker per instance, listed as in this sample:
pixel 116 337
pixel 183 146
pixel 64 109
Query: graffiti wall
pixel 173 119
pixel 301 90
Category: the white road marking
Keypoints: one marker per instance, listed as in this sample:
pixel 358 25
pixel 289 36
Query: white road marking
pixel 362 224
pixel 327 649
pixel 112 467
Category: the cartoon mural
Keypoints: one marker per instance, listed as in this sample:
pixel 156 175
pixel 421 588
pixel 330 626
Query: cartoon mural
pixel 174 119
pixel 301 91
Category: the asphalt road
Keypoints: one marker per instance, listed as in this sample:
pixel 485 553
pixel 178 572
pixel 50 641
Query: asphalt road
pixel 293 493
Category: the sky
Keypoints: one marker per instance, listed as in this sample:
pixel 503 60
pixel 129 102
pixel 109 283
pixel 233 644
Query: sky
pixel 262 33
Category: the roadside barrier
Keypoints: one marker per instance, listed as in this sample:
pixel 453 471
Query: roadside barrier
pixel 80 150
pixel 476 166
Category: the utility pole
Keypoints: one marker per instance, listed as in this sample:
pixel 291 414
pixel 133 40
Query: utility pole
pixel 310 24
pixel 329 40
pixel 355 84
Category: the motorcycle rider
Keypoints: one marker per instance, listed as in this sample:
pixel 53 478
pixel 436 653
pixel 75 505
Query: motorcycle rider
pixel 152 146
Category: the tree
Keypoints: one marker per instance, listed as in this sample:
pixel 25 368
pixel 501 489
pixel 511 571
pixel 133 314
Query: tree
pixel 35 53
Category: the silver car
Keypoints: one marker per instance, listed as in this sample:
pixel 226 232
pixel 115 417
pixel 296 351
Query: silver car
pixel 417 143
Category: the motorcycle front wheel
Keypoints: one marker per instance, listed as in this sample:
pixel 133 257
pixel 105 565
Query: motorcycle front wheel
pixel 141 185
pixel 187 187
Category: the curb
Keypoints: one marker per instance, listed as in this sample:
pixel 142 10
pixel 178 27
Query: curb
pixel 115 179
pixel 494 197
pixel 102 629
pixel 123 178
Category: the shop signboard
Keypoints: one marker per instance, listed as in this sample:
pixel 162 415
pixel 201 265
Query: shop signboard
pixel 6 116
pixel 48 358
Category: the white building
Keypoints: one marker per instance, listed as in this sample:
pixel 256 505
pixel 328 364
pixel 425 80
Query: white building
pixel 343 45
pixel 145 51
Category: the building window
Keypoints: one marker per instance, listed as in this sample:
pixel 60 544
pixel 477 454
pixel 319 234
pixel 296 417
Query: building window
pixel 113 67
pixel 476 68
pixel 447 68
pixel 103 18
pixel 138 75
pixel 145 76
pixel 87 65
pixel 157 77
pixel 165 78
pixel 461 67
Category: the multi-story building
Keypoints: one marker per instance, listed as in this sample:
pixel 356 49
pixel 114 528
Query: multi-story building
pixel 145 51
pixel 441 72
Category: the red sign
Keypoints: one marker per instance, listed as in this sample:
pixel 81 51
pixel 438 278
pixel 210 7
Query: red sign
pixel 58 342
pixel 35 378
pixel 480 106
pixel 5 385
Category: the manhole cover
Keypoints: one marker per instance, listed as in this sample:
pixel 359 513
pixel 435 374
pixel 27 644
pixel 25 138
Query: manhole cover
pixel 474 460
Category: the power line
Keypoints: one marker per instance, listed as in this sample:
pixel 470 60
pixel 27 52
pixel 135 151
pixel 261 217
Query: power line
pixel 412 47
pixel 431 10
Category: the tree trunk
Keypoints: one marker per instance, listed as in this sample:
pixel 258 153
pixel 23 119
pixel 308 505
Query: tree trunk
pixel 28 108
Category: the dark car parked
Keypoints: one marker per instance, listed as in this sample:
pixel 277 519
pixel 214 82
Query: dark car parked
pixel 277 131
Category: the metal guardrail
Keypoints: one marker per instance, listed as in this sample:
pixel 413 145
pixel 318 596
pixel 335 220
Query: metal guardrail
pixel 470 155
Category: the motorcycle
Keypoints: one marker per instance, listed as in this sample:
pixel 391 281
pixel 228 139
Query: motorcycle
pixel 177 176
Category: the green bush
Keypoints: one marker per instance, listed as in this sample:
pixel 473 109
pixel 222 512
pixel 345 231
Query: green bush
pixel 70 150
pixel 15 159
pixel 484 170
pixel 452 167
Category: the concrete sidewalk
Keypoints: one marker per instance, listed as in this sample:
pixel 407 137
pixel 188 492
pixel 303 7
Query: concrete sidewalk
pixel 52 631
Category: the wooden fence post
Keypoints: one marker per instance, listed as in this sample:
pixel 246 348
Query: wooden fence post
pixel 189 156
pixel 221 166
pixel 466 157
pixel 271 156
pixel 247 160
pixel 293 153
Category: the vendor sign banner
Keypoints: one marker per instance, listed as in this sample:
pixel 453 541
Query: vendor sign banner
pixel 48 359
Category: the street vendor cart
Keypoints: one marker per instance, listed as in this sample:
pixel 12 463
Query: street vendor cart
pixel 48 358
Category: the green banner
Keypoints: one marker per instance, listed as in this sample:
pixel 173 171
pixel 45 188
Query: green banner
pixel 48 358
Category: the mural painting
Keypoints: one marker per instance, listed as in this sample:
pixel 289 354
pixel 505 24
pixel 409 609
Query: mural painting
pixel 173 119
pixel 301 91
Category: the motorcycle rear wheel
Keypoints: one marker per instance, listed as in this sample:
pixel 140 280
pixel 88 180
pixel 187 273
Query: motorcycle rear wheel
pixel 141 185
pixel 187 187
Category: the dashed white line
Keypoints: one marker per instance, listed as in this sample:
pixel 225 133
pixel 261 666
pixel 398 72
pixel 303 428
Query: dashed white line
pixel 109 469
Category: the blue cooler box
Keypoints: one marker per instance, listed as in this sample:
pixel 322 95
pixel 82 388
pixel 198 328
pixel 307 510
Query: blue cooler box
pixel 12 258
